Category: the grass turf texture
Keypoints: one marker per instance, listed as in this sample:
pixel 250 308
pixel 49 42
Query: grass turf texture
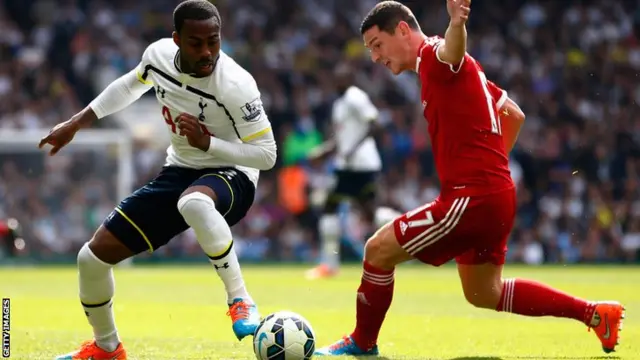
pixel 179 313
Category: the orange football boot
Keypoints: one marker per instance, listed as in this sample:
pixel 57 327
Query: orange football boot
pixel 607 323
pixel 321 271
pixel 89 350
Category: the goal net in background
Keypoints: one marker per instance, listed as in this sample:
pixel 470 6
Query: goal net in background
pixel 60 200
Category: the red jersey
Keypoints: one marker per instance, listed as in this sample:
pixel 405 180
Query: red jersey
pixel 461 108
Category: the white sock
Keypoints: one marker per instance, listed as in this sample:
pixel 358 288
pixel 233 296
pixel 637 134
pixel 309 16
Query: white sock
pixel 216 240
pixel 329 227
pixel 96 292
pixel 385 215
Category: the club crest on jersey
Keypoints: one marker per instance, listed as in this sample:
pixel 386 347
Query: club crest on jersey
pixel 252 110
pixel 202 106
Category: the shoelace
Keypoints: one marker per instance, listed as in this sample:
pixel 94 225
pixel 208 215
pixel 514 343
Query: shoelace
pixel 239 310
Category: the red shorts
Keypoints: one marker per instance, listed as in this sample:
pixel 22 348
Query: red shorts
pixel 474 230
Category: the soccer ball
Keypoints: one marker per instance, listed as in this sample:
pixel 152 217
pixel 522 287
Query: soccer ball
pixel 284 335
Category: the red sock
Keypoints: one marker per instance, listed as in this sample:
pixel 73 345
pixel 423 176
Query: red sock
pixel 530 298
pixel 374 299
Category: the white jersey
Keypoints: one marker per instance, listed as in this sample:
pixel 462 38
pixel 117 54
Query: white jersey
pixel 352 115
pixel 227 104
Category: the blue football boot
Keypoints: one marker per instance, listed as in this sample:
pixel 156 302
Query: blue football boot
pixel 245 317
pixel 346 346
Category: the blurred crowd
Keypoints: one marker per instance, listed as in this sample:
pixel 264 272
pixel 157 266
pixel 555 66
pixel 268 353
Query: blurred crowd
pixel 572 66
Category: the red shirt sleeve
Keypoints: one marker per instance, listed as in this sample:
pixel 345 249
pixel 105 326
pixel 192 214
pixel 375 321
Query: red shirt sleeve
pixel 431 66
pixel 497 93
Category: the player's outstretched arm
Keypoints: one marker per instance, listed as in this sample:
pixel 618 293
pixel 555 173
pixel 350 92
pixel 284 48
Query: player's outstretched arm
pixel 453 49
pixel 118 95
pixel 512 119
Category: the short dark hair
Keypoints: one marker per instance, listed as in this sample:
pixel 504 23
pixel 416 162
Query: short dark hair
pixel 387 15
pixel 194 10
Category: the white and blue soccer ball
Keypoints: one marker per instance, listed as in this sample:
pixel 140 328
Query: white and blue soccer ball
pixel 284 335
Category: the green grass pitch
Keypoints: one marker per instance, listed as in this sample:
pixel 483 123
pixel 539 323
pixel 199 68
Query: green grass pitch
pixel 167 313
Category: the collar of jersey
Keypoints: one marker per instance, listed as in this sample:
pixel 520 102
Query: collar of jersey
pixel 176 63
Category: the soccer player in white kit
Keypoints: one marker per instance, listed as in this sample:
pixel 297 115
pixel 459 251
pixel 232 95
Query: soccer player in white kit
pixel 220 140
pixel 357 164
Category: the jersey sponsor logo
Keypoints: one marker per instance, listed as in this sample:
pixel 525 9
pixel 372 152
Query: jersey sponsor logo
pixel 252 110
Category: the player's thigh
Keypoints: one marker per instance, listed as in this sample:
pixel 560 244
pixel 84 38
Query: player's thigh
pixel 437 232
pixel 383 250
pixel 495 217
pixel 149 218
pixel 108 248
pixel 234 192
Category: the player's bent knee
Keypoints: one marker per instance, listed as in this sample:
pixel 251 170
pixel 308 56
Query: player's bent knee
pixel 87 260
pixel 383 251
pixel 482 284
pixel 202 189
pixel 482 300
pixel 193 205
pixel 483 297
pixel 107 248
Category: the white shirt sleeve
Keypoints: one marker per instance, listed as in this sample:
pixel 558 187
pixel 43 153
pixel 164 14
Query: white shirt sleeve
pixel 123 91
pixel 362 105
pixel 258 148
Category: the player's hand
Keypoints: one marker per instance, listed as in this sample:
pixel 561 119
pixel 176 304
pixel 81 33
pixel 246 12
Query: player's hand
pixel 189 126
pixel 322 152
pixel 459 11
pixel 60 135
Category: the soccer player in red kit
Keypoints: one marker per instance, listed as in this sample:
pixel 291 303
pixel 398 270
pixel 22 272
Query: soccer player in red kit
pixel 473 125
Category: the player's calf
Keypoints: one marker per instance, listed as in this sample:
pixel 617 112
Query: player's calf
pixel 199 211
pixel 97 286
pixel 482 285
pixel 382 254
